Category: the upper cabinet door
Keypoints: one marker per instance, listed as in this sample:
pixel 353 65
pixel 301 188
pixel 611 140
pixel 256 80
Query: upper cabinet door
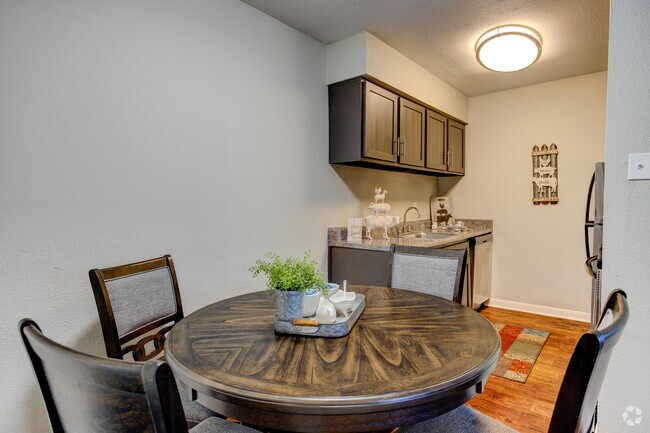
pixel 411 133
pixel 374 125
pixel 456 144
pixel 380 123
pixel 436 143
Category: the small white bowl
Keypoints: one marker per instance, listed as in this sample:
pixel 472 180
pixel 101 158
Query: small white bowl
pixel 331 289
pixel 310 301
pixel 343 301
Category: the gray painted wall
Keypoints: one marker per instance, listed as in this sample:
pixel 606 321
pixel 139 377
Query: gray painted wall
pixel 627 212
pixel 133 129
pixel 538 250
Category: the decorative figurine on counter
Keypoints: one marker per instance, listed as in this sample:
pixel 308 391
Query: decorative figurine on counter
pixel 443 211
pixel 380 219
pixel 380 222
pixel 379 195
pixel 378 208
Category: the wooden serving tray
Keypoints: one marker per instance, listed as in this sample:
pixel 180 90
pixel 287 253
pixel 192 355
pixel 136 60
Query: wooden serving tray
pixel 341 326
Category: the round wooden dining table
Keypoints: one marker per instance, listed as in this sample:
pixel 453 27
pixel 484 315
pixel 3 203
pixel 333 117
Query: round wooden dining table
pixel 410 357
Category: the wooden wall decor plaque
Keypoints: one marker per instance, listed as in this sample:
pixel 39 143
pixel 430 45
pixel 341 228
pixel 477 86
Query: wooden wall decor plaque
pixel 545 174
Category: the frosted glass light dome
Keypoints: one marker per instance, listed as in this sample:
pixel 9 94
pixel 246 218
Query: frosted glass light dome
pixel 508 48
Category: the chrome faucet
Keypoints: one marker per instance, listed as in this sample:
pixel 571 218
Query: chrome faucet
pixel 404 219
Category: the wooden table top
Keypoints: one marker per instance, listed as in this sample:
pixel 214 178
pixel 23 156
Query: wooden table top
pixel 410 356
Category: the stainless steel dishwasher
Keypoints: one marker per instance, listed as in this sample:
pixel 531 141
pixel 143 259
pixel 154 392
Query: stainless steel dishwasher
pixel 481 287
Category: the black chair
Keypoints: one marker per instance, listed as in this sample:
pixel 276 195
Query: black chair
pixel 138 304
pixel 87 394
pixel 575 407
pixel 432 271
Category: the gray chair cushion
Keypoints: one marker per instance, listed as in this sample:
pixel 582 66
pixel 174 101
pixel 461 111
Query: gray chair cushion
pixel 194 411
pixel 218 425
pixel 461 420
pixel 141 298
pixel 425 274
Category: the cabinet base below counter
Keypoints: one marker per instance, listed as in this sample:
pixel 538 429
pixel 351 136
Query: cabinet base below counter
pixel 367 262
pixel 358 266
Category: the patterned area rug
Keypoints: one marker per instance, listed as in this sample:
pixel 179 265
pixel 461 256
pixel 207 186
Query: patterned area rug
pixel 520 348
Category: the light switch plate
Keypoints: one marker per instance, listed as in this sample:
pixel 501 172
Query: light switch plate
pixel 638 166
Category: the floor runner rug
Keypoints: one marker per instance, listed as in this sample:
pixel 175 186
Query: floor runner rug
pixel 520 348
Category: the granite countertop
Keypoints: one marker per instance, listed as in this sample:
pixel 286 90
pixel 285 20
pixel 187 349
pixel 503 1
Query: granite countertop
pixel 337 236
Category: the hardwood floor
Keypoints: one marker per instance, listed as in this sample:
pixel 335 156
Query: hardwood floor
pixel 528 407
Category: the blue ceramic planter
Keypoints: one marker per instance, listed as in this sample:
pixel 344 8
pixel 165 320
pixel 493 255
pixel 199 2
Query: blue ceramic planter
pixel 289 305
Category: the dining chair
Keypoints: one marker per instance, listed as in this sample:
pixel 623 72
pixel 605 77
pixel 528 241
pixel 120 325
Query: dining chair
pixel 132 301
pixel 138 304
pixel 576 403
pixel 88 394
pixel 433 271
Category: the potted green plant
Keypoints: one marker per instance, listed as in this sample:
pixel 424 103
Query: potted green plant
pixel 289 279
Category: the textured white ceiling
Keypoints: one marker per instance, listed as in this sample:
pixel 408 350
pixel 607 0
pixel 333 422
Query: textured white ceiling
pixel 440 34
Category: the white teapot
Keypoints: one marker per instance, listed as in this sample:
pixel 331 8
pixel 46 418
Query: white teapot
pixel 325 313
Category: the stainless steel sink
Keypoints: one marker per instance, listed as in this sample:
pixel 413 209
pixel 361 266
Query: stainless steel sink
pixel 424 235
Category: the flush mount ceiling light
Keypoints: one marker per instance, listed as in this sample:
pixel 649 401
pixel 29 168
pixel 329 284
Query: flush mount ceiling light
pixel 508 48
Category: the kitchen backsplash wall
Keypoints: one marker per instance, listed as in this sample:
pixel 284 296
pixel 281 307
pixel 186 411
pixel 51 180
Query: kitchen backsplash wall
pixel 403 190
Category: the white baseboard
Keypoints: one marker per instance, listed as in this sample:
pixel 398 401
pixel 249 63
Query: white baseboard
pixel 580 316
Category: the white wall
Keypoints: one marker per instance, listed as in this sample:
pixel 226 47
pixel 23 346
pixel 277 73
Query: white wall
pixel 364 53
pixel 133 129
pixel 538 250
pixel 346 58
pixel 627 212
pixel 404 190
pixel 392 67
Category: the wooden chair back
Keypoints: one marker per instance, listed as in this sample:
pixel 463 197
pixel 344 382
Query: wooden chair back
pixel 433 271
pixel 134 300
pixel 83 393
pixel 575 407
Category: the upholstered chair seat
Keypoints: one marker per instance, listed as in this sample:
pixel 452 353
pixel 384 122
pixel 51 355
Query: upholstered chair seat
pixel 461 420
pixel 577 402
pixel 138 304
pixel 432 271
pixel 218 425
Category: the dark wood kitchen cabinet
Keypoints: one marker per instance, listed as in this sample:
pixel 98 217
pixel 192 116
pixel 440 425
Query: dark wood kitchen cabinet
pixel 358 266
pixel 445 144
pixel 374 125
pixel 410 143
pixel 456 147
pixel 380 123
pixel 436 140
